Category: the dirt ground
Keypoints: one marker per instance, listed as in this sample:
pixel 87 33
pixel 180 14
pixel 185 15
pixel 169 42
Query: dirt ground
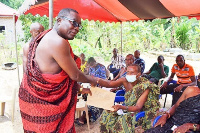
pixel 9 82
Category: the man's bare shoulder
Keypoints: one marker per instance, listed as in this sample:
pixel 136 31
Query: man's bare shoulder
pixel 191 90
pixel 53 40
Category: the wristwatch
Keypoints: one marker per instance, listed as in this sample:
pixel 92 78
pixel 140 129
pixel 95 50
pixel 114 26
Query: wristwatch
pixel 194 127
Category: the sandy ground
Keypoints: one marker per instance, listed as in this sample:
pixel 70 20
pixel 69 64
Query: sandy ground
pixel 9 81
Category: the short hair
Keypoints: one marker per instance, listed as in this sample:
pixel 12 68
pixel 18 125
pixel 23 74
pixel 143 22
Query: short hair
pixel 180 55
pixel 138 67
pixel 116 49
pixel 36 25
pixel 91 59
pixel 65 12
pixel 160 56
pixel 130 55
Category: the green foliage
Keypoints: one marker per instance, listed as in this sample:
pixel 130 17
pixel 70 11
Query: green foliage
pixel 15 4
pixel 28 19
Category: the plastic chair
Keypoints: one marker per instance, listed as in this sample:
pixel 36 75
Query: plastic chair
pixel 80 107
pixel 140 115
pixel 120 93
pixel 4 99
pixel 156 120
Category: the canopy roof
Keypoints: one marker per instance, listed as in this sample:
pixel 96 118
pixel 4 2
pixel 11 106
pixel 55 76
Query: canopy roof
pixel 6 10
pixel 117 10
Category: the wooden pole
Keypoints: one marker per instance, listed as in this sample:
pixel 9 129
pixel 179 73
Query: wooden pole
pixel 121 37
pixel 15 39
pixel 50 14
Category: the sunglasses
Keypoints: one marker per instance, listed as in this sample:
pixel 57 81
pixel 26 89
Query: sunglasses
pixel 73 22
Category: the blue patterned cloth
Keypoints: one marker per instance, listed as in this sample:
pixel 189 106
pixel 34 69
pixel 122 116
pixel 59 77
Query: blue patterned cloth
pixel 141 63
pixel 99 71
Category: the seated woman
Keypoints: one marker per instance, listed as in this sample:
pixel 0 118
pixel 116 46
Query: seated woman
pixel 141 95
pixel 185 114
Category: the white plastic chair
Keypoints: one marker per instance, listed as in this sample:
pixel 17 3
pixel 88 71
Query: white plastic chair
pixel 80 107
pixel 4 99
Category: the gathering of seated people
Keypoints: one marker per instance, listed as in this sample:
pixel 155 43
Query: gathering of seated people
pixel 142 94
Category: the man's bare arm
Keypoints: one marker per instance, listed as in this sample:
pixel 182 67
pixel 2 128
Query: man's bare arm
pixel 25 56
pixel 61 54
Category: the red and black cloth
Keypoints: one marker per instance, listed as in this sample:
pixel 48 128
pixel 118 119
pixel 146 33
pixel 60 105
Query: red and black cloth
pixel 47 101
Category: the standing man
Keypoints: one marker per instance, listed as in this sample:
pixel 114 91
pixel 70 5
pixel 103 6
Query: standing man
pixel 48 92
pixel 116 64
pixel 157 71
pixel 35 29
pixel 186 77
pixel 139 61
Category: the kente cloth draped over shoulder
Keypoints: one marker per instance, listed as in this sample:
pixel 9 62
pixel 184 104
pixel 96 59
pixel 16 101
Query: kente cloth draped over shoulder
pixel 188 111
pixel 111 122
pixel 47 101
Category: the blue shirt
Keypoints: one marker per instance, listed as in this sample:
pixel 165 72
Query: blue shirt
pixel 99 71
pixel 141 63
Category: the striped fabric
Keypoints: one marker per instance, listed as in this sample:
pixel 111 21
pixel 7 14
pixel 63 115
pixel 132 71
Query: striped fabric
pixel 47 102
pixel 183 74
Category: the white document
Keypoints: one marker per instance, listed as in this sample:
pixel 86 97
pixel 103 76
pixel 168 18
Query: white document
pixel 101 98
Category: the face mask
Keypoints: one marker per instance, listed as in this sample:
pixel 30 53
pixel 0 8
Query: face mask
pixel 198 84
pixel 131 78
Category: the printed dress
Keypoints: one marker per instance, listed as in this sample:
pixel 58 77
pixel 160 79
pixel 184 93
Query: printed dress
pixel 113 123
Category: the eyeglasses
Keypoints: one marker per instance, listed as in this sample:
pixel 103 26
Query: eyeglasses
pixel 73 22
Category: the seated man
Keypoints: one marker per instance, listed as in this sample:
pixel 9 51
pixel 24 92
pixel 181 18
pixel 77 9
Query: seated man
pixel 129 61
pixel 157 71
pixel 96 69
pixel 141 95
pixel 185 114
pixel 185 75
pixel 139 61
pixel 116 64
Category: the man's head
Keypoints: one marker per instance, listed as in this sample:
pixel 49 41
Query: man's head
pixel 129 60
pixel 115 51
pixel 91 62
pixel 133 73
pixel 198 81
pixel 137 54
pixel 35 29
pixel 180 61
pixel 68 23
pixel 160 59
pixel 82 56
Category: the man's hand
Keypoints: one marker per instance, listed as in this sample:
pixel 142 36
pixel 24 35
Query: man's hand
pixel 116 107
pixel 86 91
pixel 161 121
pixel 164 85
pixel 161 64
pixel 178 88
pixel 113 90
pixel 182 129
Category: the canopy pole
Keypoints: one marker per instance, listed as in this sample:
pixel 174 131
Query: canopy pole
pixel 121 38
pixel 15 39
pixel 50 14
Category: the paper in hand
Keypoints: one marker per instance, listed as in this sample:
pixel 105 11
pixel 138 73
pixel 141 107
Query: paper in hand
pixel 101 98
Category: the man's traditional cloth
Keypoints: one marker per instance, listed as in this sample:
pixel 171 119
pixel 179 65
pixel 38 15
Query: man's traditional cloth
pixel 111 122
pixel 188 111
pixel 47 101
pixel 141 63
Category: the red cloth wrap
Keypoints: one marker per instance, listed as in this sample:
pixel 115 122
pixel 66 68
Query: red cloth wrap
pixel 47 101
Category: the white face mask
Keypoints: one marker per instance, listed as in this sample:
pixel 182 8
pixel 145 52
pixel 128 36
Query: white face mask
pixel 131 78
